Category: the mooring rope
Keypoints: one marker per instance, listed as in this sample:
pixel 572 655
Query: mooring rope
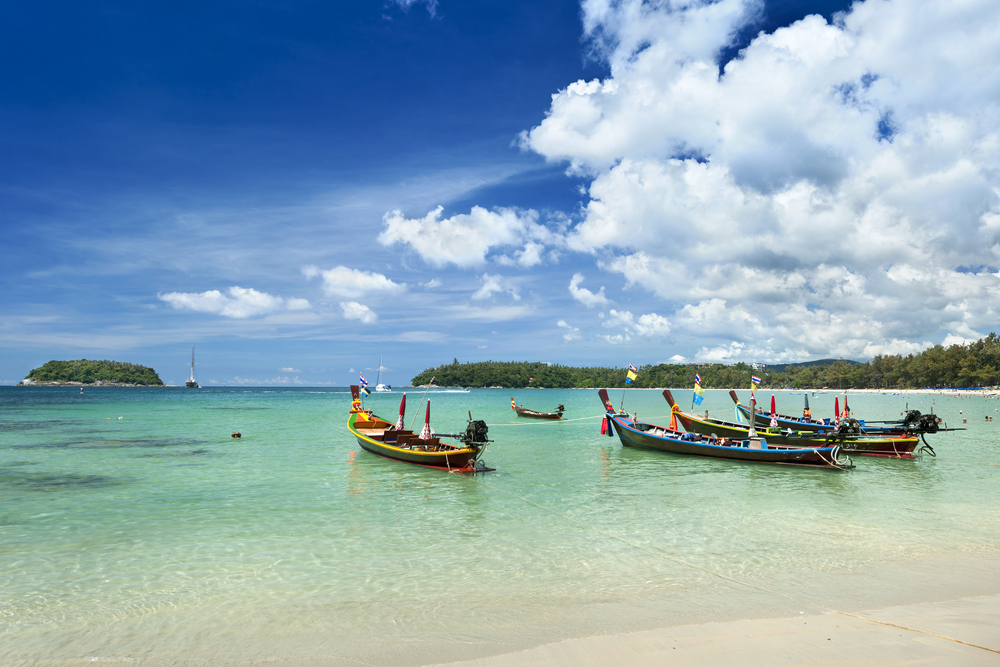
pixel 734 580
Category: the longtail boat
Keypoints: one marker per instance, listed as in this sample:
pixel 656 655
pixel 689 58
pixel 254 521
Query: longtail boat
pixel 644 435
pixel 522 411
pixel 914 423
pixel 897 445
pixel 393 441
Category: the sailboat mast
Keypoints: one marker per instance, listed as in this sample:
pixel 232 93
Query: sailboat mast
pixel 192 362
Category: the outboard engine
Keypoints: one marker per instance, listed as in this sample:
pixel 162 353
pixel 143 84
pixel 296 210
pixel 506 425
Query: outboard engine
pixel 929 423
pixel 476 433
pixel 911 419
pixel 915 422
pixel 849 426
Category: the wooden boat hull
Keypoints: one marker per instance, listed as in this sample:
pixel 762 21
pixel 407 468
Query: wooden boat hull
pixel 894 447
pixel 650 436
pixel 525 412
pixel 785 422
pixel 371 433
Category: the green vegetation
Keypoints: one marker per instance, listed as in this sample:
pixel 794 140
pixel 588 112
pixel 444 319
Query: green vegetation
pixel 87 371
pixel 972 365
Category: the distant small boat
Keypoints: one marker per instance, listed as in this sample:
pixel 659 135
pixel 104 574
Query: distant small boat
pixel 534 414
pixel 191 383
pixel 379 387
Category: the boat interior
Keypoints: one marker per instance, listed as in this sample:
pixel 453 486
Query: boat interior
pixel 404 439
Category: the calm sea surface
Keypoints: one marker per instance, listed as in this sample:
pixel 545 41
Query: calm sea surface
pixel 134 529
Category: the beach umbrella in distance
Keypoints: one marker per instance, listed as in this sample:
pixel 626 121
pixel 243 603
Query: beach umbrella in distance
pixel 402 411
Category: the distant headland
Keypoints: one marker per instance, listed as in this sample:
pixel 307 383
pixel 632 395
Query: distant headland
pixel 91 373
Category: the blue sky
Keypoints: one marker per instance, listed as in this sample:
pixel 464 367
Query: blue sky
pixel 297 188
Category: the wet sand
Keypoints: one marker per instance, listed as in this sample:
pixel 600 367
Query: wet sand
pixel 964 631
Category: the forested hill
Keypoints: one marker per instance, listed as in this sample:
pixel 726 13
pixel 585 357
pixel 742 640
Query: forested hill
pixel 974 364
pixel 89 372
pixel 516 374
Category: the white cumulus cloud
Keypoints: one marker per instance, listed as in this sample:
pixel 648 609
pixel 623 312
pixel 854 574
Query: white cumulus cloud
pixel 650 324
pixel 344 282
pixel 356 311
pixel 237 303
pixel 584 295
pixel 836 191
pixel 465 239
pixel 493 284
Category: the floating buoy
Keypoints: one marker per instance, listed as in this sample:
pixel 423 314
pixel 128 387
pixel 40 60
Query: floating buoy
pixel 236 434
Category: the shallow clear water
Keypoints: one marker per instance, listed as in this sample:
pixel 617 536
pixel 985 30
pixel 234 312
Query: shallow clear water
pixel 155 537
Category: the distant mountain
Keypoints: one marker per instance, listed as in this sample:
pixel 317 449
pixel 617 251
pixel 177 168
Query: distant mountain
pixel 781 368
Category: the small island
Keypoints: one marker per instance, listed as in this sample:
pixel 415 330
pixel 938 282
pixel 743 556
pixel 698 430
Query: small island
pixel 91 373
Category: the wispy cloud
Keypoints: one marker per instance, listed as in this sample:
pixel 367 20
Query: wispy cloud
pixel 572 333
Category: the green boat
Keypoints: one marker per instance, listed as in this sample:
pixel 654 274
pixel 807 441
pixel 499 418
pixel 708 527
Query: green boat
pixel 898 446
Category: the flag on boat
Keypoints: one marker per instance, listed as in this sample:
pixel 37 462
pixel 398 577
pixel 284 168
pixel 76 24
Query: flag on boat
pixel 362 381
pixel 632 368
pixel 629 377
pixel 699 394
pixel 754 382
pixel 697 379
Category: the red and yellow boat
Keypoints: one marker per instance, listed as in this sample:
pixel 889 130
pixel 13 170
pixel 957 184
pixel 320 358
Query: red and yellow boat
pixel 392 441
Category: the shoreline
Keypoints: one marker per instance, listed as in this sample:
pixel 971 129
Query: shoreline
pixel 957 631
pixel 28 382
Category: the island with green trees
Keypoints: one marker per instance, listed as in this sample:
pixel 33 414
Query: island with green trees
pixel 975 364
pixel 86 372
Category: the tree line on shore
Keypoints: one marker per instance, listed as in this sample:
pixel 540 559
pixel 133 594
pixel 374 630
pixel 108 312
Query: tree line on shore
pixel 88 371
pixel 975 364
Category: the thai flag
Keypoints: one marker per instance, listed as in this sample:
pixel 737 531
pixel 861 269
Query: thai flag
pixel 363 381
pixel 632 368
pixel 697 379
pixel 755 379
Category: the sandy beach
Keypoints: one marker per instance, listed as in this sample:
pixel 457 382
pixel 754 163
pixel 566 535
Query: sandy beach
pixel 965 631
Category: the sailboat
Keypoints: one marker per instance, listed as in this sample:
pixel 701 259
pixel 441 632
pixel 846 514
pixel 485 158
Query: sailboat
pixel 191 383
pixel 378 378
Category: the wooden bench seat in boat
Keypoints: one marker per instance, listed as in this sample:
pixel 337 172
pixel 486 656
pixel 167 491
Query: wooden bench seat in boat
pixel 403 438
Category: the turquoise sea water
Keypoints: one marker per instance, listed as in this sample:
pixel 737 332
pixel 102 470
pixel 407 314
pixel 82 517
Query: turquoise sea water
pixel 134 529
